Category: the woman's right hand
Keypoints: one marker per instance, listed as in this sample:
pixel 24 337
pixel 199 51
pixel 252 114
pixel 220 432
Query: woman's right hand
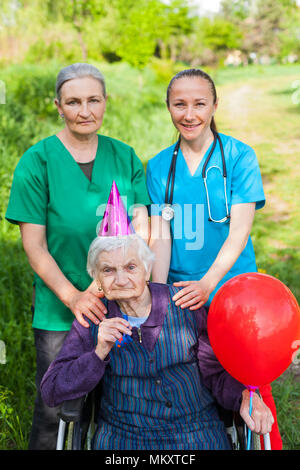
pixel 109 331
pixel 87 303
pixel 261 419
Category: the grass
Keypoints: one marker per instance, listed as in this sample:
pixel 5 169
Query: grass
pixel 255 106
pixel 286 392
pixel 269 122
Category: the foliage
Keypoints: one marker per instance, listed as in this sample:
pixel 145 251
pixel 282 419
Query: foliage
pixel 136 113
pixel 229 35
pixel 286 393
pixel 269 27
pixel 135 32
pixel 10 429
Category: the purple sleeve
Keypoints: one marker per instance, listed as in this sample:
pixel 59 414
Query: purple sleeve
pixel 225 389
pixel 76 370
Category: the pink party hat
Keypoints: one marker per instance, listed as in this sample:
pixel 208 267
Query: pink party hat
pixel 116 221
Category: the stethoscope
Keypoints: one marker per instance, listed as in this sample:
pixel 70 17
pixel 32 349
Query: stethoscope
pixel 168 211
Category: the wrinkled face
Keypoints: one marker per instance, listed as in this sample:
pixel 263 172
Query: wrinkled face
pixel 122 274
pixel 83 105
pixel 191 106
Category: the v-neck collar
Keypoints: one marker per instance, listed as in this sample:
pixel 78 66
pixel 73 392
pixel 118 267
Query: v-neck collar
pixel 75 164
pixel 198 170
pixel 151 328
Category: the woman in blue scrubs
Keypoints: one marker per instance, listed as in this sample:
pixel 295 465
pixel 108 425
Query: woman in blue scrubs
pixel 202 211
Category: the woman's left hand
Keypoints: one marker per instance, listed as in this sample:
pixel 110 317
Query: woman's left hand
pixel 193 295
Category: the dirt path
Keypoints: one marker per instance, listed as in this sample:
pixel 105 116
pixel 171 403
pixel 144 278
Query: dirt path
pixel 262 114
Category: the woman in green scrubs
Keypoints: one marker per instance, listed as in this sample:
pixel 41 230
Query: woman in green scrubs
pixel 59 193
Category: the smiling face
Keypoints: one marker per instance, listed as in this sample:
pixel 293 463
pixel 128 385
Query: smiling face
pixel 121 274
pixel 83 105
pixel 191 106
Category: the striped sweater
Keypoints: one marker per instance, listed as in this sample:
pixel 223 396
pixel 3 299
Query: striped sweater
pixel 155 389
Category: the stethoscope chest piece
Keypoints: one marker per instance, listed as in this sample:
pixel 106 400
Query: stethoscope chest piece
pixel 168 212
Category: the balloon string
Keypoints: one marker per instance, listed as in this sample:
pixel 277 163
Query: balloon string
pixel 250 411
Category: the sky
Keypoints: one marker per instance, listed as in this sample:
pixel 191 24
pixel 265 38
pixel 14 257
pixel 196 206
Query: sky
pixel 207 5
pixel 211 5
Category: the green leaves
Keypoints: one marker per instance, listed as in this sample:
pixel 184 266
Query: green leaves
pixel 10 429
pixel 221 34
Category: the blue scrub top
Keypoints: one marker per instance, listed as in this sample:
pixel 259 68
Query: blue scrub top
pixel 196 241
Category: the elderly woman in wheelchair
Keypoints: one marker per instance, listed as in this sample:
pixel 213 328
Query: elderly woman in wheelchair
pixel 161 381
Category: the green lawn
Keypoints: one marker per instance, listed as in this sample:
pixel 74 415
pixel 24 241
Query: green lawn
pixel 255 105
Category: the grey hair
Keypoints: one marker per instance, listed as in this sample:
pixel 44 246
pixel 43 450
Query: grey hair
pixel 78 70
pixel 112 243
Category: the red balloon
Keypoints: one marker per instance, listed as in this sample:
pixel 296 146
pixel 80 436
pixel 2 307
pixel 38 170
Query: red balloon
pixel 254 328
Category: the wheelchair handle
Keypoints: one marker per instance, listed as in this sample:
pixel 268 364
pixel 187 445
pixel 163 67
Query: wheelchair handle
pixel 70 410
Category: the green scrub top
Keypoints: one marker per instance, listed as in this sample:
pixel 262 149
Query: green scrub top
pixel 49 188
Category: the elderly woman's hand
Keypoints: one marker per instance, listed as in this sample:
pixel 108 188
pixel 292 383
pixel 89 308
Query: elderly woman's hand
pixel 261 419
pixel 87 303
pixel 110 330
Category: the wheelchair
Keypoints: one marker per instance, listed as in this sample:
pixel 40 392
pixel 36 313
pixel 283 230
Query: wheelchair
pixel 77 425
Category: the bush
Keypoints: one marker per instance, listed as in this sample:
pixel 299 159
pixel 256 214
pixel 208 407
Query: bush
pixel 11 435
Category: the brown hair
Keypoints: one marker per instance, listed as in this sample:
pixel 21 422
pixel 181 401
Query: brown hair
pixel 195 73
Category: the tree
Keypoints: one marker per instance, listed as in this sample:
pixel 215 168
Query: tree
pixel 178 23
pixel 138 36
pixel 220 34
pixel 76 12
pixel 270 27
pixel 236 10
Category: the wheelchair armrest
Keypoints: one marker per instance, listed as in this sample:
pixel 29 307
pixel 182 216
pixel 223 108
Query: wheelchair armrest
pixel 70 410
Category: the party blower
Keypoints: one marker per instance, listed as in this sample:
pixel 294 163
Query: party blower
pixel 254 330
